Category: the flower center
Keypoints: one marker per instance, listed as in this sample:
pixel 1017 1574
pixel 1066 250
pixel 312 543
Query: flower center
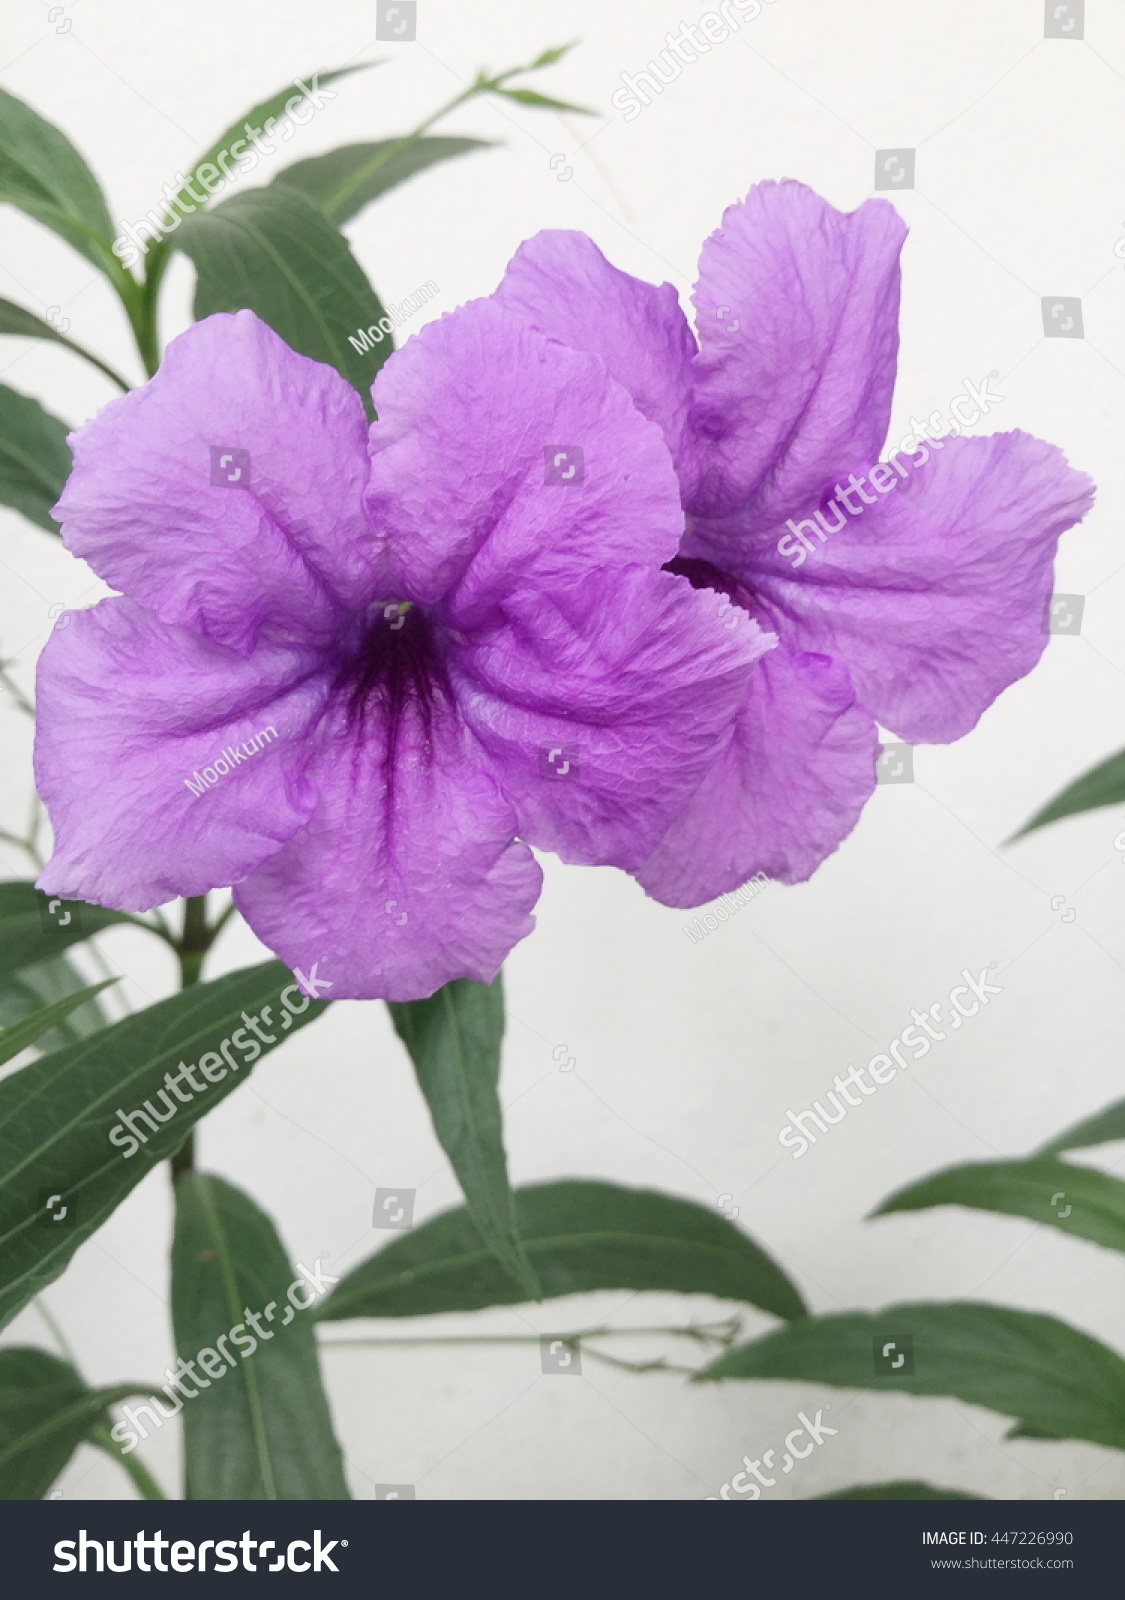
pixel 391 666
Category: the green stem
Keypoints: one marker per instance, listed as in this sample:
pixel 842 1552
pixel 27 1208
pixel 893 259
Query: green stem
pixel 192 946
pixel 717 1333
pixel 146 1484
pixel 95 361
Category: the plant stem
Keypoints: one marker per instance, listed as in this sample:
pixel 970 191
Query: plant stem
pixel 717 1333
pixel 146 1484
pixel 191 947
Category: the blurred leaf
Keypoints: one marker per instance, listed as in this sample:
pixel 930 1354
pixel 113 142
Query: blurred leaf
pixel 1076 1200
pixel 46 1411
pixel 1103 785
pixel 275 253
pixel 549 57
pixel 528 97
pixel 43 174
pixel 21 323
pixel 34 457
pixel 36 1027
pixel 902 1489
pixel 261 1430
pixel 454 1042
pixel 1104 1127
pixel 274 106
pixel 24 993
pixel 57 1115
pixel 1041 1371
pixel 35 927
pixel 342 182
pixel 579 1236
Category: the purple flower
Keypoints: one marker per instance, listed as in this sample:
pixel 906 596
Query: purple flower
pixel 346 666
pixel 914 609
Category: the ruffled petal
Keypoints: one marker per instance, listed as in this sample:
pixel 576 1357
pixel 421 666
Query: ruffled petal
pixel 280 552
pixel 787 788
pixel 465 485
pixel 168 764
pixel 560 283
pixel 936 596
pixel 408 874
pixel 797 317
pixel 602 707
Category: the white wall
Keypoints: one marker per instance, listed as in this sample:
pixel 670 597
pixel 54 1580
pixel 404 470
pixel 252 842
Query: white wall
pixel 686 1057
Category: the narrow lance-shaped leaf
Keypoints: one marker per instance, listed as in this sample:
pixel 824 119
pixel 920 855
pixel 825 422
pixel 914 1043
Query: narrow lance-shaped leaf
pixel 36 1027
pixel 34 457
pixel 258 1427
pixel 1104 1127
pixel 1047 1374
pixel 247 158
pixel 44 175
pixel 37 988
pixel 23 324
pixel 1076 1200
pixel 275 253
pixel 35 927
pixel 901 1489
pixel 454 1042
pixel 579 1237
pixel 85 1124
pixel 1103 785
pixel 46 1411
pixel 345 180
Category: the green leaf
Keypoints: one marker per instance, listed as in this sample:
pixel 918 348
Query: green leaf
pixel 1041 1371
pixel 34 457
pixel 1103 785
pixel 261 1428
pixel 24 993
pixel 43 174
pixel 454 1042
pixel 1076 1200
pixel 24 324
pixel 902 1489
pixel 277 254
pixel 37 1027
pixel 529 97
pixel 46 1411
pixel 35 927
pixel 549 57
pixel 342 182
pixel 1104 1127
pixel 579 1237
pixel 274 106
pixel 59 1127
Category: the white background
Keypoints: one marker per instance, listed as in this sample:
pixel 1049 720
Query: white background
pixel 686 1057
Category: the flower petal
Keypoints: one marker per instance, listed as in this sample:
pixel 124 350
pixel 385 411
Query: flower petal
pixel 280 551
pixel 561 283
pixel 396 888
pixel 130 709
pixel 787 788
pixel 604 706
pixel 473 411
pixel 797 316
pixel 936 596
